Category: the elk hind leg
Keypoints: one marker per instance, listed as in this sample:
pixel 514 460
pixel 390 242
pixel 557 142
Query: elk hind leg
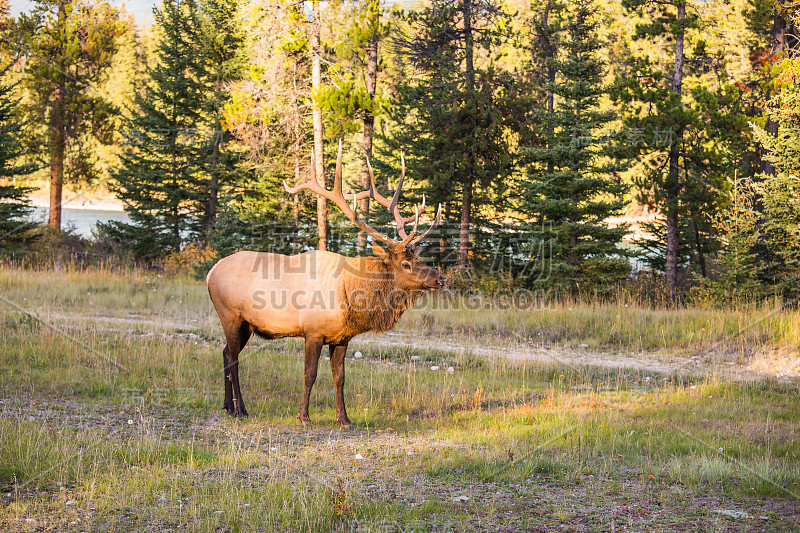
pixel 237 337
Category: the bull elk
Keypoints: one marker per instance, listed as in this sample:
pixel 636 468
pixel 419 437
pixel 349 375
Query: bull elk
pixel 323 297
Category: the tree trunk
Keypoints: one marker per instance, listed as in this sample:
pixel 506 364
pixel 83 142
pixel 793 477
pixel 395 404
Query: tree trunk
pixel 469 171
pixel 701 257
pixel 176 218
pixel 296 199
pixel 316 112
pixel 551 73
pixel 550 55
pixel 57 157
pixel 298 139
pixel 444 242
pixel 213 184
pixel 672 184
pixel 776 52
pixel 58 139
pixel 369 125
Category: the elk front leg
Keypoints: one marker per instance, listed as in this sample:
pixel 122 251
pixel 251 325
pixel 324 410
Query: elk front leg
pixel 313 349
pixel 337 369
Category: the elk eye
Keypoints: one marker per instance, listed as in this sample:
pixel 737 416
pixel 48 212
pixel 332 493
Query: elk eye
pixel 405 265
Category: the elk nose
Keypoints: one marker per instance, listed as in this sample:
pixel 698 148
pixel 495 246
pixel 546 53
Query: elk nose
pixel 440 282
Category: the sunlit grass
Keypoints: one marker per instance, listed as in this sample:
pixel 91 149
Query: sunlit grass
pixel 617 325
pixel 123 420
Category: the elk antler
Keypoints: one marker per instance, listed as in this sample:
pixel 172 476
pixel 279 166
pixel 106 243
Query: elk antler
pixel 399 220
pixel 337 197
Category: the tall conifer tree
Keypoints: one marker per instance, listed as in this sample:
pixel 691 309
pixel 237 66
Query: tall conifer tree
pixel 453 112
pixel 15 209
pixel 780 191
pixel 223 40
pixel 570 188
pixel 160 179
pixel 71 45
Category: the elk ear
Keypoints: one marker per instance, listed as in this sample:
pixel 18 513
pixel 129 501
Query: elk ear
pixel 380 252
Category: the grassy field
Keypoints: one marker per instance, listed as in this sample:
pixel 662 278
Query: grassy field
pixel 111 420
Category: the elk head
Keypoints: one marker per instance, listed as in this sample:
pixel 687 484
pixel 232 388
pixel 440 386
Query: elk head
pixel 401 257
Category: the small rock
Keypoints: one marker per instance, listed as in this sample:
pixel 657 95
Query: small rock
pixel 415 358
pixel 130 422
pixel 358 355
pixel 434 368
pixel 584 345
pixel 451 370
pixel 462 498
pixel 359 456
pixel 70 502
pixel 733 513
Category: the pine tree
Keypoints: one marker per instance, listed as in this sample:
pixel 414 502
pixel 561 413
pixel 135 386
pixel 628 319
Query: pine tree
pixel 16 230
pixel 667 18
pixel 350 99
pixel 775 37
pixel 451 113
pixel 223 38
pixel 269 112
pixel 736 274
pixel 780 192
pixel 570 188
pixel 686 128
pixel 161 176
pixel 71 45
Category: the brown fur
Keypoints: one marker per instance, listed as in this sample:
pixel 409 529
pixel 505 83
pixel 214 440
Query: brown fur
pixel 328 298
pixel 324 297
pixel 370 299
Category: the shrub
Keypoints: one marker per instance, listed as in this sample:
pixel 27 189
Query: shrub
pixel 186 261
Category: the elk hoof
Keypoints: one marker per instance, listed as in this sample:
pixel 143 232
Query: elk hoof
pixel 348 427
pixel 236 411
pixel 304 421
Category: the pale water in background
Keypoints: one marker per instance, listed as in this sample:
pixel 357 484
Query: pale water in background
pixel 82 220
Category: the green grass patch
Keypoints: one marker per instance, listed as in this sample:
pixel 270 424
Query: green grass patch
pixel 118 424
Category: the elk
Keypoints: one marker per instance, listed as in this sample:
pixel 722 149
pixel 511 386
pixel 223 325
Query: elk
pixel 323 297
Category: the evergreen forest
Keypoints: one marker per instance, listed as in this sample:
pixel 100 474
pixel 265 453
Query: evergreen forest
pixel 576 147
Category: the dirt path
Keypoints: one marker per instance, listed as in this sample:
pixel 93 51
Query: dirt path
pixel 485 348
pixel 758 366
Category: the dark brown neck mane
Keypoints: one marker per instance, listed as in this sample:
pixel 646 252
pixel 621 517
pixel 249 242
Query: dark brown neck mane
pixel 369 297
